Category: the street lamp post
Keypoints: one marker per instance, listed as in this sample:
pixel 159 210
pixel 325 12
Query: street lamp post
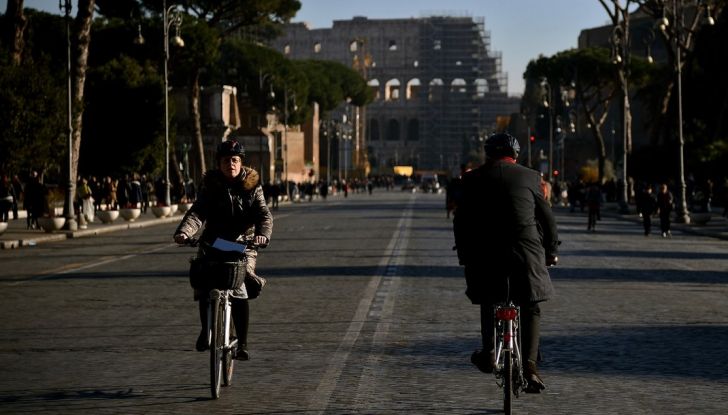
pixel 262 77
pixel 682 36
pixel 620 52
pixel 169 18
pixel 682 214
pixel 548 103
pixel 285 136
pixel 68 210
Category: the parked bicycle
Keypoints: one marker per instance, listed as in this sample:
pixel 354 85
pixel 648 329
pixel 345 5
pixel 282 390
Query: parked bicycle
pixel 218 272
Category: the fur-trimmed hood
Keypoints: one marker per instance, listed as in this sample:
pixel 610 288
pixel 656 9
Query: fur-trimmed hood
pixel 247 180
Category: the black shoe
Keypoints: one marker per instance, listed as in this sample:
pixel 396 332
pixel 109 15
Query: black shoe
pixel 241 353
pixel 202 344
pixel 534 383
pixel 482 360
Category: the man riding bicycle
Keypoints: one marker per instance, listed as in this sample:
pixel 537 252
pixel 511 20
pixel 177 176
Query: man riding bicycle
pixel 505 236
pixel 230 206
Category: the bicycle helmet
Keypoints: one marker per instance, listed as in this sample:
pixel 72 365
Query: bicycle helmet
pixel 230 148
pixel 502 145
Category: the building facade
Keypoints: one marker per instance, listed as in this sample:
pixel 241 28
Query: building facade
pixel 438 87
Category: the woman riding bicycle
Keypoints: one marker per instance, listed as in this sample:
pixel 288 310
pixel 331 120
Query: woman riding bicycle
pixel 230 206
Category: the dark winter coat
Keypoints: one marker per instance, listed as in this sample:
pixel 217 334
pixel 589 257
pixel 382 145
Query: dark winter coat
pixel 504 228
pixel 231 211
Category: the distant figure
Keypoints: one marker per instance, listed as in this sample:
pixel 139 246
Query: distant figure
pixel 34 202
pixel 454 191
pixel 664 207
pixel 110 188
pixel 647 206
pixel 593 200
pixel 7 198
pixel 324 189
pixel 546 189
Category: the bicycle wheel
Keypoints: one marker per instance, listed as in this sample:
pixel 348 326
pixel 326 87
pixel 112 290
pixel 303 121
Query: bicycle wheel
pixel 228 360
pixel 216 349
pixel 507 381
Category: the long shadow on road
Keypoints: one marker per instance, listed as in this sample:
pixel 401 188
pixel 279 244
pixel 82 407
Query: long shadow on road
pixel 669 350
pixel 640 275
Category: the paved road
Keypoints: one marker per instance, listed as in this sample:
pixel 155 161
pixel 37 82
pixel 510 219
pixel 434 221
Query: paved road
pixel 364 313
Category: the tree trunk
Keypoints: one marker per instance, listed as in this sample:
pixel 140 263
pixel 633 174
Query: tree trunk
pixel 199 145
pixel 178 178
pixel 82 40
pixel 14 34
pixel 599 141
pixel 596 121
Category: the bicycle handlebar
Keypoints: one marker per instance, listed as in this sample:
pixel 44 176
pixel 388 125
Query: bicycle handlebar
pixel 194 242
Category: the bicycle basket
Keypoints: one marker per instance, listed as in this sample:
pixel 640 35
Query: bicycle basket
pixel 206 275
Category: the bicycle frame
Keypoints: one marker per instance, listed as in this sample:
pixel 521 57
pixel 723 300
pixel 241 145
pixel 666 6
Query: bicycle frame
pixel 219 332
pixel 508 367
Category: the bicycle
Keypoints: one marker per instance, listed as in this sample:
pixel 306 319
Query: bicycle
pixel 218 273
pixel 508 361
pixel 508 364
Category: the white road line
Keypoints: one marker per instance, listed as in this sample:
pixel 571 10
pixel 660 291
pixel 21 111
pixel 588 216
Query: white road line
pixel 319 400
pixel 87 266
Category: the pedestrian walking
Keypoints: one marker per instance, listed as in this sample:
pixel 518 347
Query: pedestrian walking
pixel 323 189
pixel 454 191
pixel 19 194
pixel 664 207
pixel 7 197
pixel 546 189
pixel 34 201
pixel 110 189
pixel 594 199
pixel 85 200
pixel 146 188
pixel 505 236
pixel 123 188
pixel 646 206
pixel 135 191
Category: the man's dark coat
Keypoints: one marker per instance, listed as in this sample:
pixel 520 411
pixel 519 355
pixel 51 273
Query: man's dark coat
pixel 504 228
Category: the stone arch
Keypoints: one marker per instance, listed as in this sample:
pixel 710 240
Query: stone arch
pixel 436 89
pixel 458 85
pixel 391 90
pixel 374 85
pixel 413 88
pixel 481 87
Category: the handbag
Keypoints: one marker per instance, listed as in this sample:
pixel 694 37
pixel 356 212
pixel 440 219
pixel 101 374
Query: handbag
pixel 254 285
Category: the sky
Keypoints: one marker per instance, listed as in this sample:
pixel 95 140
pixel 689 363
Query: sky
pixel 520 30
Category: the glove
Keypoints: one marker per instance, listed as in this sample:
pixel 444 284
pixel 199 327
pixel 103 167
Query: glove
pixel 551 260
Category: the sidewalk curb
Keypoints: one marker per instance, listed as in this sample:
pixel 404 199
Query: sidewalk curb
pixel 60 236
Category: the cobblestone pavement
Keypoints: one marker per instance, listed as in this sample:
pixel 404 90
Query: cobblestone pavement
pixel 364 314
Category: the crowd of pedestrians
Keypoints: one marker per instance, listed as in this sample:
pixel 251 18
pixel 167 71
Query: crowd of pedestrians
pixel 650 200
pixel 92 195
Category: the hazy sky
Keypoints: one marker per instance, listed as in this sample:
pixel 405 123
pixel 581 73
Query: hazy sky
pixel 519 29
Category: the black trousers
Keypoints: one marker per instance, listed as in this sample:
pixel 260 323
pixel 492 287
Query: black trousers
pixel 647 223
pixel 665 222
pixel 530 329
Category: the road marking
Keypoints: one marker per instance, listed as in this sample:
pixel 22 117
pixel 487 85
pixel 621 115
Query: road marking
pixel 67 269
pixel 319 400
pixel 386 296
